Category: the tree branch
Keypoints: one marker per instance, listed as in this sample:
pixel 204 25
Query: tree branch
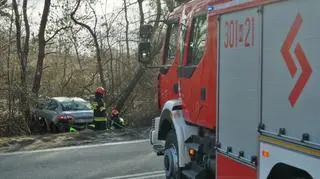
pixel 48 53
pixel 141 12
pixel 96 44
pixel 3 2
pixel 18 26
pixel 78 22
pixel 5 14
pixel 66 82
pixel 158 15
pixel 45 68
pixel 56 32
pixel 90 84
pixel 27 27
pixel 95 18
pixel 138 75
pixel 127 27
pixel 41 47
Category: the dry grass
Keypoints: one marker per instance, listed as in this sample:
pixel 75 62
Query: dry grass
pixel 36 142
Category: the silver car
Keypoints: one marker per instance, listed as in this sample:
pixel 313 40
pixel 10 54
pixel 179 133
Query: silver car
pixel 59 113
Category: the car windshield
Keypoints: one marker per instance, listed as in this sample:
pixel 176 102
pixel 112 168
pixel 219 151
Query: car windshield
pixel 75 105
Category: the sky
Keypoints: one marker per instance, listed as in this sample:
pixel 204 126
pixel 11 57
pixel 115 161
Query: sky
pixel 35 8
pixel 108 6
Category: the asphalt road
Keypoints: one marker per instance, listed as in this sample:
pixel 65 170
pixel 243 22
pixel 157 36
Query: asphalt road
pixel 114 161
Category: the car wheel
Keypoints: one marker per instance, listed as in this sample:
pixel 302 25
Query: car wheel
pixel 54 128
pixel 43 125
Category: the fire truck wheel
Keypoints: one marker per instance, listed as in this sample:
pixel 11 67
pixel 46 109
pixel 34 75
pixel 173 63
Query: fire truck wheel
pixel 171 158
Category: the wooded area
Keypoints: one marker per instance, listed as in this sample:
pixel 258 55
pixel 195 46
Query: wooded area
pixel 72 48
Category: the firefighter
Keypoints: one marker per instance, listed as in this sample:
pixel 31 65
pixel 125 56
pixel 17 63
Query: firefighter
pixel 99 109
pixel 117 122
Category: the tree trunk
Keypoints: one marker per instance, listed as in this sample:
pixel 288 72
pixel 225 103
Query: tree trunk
pixel 126 93
pixel 127 27
pixel 3 5
pixel 170 5
pixel 23 56
pixel 64 72
pixel 25 52
pixel 8 72
pixel 112 79
pixel 137 76
pixel 158 16
pixel 141 12
pixel 41 46
pixel 75 44
pixel 111 64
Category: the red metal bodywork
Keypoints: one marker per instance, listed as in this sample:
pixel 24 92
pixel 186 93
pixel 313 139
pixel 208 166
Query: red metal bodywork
pixel 197 111
pixel 203 113
pixel 230 169
pixel 166 82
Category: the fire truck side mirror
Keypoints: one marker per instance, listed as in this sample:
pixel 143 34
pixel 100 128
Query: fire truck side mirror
pixel 146 31
pixel 144 50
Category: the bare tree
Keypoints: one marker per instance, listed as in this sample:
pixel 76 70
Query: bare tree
pixel 3 5
pixel 9 76
pixel 23 56
pixel 141 71
pixel 98 52
pixel 170 5
pixel 22 52
pixel 127 27
pixel 93 33
pixel 41 46
pixel 111 58
pixel 75 44
pixel 141 12
pixel 66 78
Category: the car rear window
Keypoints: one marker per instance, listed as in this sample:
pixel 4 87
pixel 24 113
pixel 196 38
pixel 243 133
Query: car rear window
pixel 75 105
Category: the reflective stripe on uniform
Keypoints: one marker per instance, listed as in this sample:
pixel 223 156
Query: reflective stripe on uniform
pixel 94 106
pixel 72 129
pixel 100 119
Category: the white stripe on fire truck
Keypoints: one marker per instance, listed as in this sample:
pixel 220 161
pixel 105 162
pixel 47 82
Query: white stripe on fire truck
pixel 290 145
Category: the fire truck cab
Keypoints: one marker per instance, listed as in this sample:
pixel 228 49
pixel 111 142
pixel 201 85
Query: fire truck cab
pixel 239 90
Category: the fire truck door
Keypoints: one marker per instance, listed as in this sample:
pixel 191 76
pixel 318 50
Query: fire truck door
pixel 168 86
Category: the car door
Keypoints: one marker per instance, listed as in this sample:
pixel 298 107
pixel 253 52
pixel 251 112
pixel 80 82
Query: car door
pixel 51 109
pixel 37 110
pixel 40 108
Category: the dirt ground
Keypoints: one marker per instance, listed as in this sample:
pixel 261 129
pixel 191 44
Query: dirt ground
pixel 87 136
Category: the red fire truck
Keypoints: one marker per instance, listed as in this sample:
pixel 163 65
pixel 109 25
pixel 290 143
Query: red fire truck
pixel 239 90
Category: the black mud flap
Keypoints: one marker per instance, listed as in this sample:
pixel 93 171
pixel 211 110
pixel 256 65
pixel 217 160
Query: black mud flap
pixel 195 172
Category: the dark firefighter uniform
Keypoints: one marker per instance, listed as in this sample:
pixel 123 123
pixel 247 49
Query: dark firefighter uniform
pixel 117 121
pixel 99 110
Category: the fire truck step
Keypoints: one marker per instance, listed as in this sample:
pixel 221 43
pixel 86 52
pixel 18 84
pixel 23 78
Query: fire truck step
pixel 159 149
pixel 194 173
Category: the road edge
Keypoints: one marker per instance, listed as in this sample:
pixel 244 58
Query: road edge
pixel 74 147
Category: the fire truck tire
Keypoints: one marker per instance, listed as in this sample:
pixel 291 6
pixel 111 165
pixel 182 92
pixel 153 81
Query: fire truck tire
pixel 284 171
pixel 171 158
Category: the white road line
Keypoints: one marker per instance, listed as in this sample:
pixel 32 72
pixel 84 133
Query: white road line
pixel 74 147
pixel 149 176
pixel 145 174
